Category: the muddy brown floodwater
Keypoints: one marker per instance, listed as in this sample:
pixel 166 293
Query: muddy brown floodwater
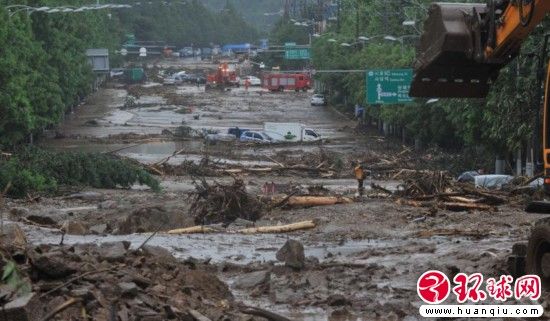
pixel 362 260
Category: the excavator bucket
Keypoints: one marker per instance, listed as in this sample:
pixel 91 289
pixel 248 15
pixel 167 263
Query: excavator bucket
pixel 446 64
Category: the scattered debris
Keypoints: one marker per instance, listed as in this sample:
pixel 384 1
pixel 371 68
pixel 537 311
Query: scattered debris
pixel 219 203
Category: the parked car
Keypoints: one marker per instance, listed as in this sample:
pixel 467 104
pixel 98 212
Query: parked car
pixel 254 81
pixel 255 136
pixel 186 52
pixel 193 79
pixel 173 80
pixel 236 131
pixel 200 79
pixel 318 100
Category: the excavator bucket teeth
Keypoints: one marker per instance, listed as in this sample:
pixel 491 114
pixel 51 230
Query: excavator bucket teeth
pixel 445 64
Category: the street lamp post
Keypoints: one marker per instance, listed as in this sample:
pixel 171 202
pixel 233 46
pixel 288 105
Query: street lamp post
pixel 14 9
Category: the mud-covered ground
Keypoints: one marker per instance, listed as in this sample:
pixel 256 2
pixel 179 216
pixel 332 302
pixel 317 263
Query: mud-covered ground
pixel 363 258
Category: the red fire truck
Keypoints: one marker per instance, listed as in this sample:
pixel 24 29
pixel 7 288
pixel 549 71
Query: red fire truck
pixel 224 77
pixel 281 82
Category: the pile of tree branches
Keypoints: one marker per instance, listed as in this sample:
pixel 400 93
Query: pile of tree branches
pixel 219 203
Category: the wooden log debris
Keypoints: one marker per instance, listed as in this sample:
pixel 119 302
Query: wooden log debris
pixel 465 207
pixel 317 200
pixel 192 230
pixel 305 225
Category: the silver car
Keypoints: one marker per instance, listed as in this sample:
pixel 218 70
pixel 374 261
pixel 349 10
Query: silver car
pixel 318 100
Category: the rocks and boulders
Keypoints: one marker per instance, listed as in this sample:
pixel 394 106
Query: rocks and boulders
pixel 12 237
pixel 292 253
pixel 113 251
pixel 99 229
pixel 252 280
pixel 22 308
pixel 148 284
pixel 74 228
pixel 147 219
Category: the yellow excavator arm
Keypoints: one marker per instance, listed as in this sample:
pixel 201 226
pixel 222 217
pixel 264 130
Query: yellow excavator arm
pixel 465 45
pixel 515 25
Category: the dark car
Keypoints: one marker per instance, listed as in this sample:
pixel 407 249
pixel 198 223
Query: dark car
pixel 200 80
pixel 194 79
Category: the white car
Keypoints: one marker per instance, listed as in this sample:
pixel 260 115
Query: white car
pixel 173 80
pixel 117 72
pixel 257 137
pixel 254 81
pixel 318 100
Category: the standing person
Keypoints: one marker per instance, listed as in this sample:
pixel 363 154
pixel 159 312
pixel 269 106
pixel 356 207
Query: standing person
pixel 246 84
pixel 360 177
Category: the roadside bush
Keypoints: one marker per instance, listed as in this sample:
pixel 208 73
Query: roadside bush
pixel 37 170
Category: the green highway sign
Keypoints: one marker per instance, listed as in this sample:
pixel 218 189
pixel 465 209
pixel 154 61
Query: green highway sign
pixel 293 52
pixel 389 86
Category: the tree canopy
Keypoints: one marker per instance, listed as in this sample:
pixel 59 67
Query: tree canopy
pixel 43 67
pixel 502 123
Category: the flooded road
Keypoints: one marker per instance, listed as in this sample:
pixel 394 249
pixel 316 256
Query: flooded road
pixel 370 251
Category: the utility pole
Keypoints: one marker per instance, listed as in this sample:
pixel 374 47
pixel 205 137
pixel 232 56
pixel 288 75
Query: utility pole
pixel 338 17
pixel 357 19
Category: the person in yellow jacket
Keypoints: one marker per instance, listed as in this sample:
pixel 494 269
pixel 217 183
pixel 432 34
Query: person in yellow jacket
pixel 360 176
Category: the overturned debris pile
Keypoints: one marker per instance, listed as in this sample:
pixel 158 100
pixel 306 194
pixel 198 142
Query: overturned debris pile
pixel 219 203
pixel 111 282
pixel 437 189
pixel 322 164
pixel 420 183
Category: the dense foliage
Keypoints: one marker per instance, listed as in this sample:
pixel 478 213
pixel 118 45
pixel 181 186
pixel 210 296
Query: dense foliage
pixel 35 170
pixel 43 68
pixel 185 23
pixel 501 124
pixel 262 14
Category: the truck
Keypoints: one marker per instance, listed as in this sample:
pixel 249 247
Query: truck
pixel 135 75
pixel 290 132
pixel 225 76
pixel 282 82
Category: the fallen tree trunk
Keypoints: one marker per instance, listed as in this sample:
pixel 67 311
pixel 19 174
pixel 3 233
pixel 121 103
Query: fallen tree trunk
pixel 192 230
pixel 279 229
pixel 317 200
pixel 465 206
pixel 461 199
